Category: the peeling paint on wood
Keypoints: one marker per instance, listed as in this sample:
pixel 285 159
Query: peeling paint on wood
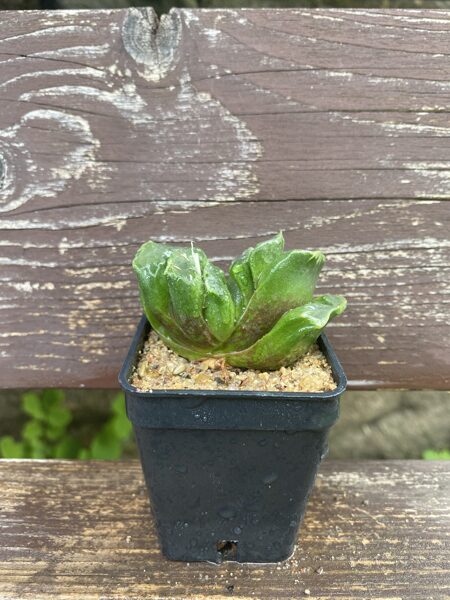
pixel 83 530
pixel 223 127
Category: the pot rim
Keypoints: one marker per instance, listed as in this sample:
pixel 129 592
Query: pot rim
pixel 141 333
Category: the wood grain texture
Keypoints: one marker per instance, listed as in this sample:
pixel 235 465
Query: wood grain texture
pixel 222 127
pixel 82 530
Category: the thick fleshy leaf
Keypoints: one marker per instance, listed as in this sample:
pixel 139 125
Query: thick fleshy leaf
pixel 251 317
pixel 292 335
pixel 184 277
pixel 247 270
pixel 290 282
pixel 188 350
pixel 263 256
pixel 149 265
pixel 219 306
pixel 240 282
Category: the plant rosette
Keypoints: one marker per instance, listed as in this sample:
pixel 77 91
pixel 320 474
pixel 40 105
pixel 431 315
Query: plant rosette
pixel 229 472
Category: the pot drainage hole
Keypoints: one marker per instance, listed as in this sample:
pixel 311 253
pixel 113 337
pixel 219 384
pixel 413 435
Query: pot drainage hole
pixel 226 550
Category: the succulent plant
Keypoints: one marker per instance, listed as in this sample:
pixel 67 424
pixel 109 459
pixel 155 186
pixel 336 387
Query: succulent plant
pixel 261 315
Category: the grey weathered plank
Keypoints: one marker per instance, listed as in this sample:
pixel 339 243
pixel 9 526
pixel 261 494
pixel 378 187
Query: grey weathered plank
pixel 222 128
pixel 73 530
pixel 392 333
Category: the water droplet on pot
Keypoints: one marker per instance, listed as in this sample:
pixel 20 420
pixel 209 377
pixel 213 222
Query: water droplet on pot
pixel 270 478
pixel 186 525
pixel 227 512
pixel 324 452
pixel 237 530
pixel 262 442
pixel 204 418
pixel 196 416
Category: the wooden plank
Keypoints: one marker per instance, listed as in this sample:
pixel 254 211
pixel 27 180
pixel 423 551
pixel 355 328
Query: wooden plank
pixel 222 127
pixel 75 530
pixel 69 319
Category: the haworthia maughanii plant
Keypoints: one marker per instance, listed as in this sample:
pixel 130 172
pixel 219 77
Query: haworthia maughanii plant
pixel 261 315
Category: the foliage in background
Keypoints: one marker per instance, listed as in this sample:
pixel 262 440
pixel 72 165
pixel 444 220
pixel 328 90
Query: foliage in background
pixel 436 455
pixel 46 433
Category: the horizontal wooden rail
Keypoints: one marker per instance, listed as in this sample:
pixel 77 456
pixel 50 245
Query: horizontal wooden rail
pixel 223 127
pixel 72 530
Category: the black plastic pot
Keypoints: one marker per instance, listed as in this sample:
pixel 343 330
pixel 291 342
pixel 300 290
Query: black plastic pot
pixel 229 472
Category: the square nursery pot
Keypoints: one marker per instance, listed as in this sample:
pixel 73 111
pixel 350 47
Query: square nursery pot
pixel 229 472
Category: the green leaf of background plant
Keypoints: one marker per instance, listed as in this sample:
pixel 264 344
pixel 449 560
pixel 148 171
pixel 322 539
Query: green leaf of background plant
pixel 10 448
pixel 55 432
pixel 84 454
pixel 436 455
pixel 32 431
pixel 69 447
pixel 106 446
pixel 39 449
pixel 51 398
pixel 122 427
pixel 32 405
pixel 119 422
pixel 59 416
pixel 118 405
pixel 46 435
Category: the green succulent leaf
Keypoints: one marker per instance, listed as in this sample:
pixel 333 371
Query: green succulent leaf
pixel 261 315
pixel 240 282
pixel 219 309
pixel 286 284
pixel 149 265
pixel 291 336
pixel 264 256
pixel 246 271
pixel 184 274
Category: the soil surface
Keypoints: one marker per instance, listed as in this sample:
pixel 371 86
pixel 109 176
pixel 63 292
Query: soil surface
pixel 161 368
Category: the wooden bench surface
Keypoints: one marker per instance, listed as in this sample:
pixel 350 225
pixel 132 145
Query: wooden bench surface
pixel 223 127
pixel 72 530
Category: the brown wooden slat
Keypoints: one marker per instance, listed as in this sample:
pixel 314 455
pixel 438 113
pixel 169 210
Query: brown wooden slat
pixel 390 258
pixel 223 127
pixel 82 530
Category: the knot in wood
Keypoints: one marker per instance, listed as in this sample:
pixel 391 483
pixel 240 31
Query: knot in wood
pixel 152 42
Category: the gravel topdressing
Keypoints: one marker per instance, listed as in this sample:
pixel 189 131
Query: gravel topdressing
pixel 161 368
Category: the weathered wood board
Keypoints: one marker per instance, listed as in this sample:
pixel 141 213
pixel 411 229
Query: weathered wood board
pixel 223 127
pixel 72 530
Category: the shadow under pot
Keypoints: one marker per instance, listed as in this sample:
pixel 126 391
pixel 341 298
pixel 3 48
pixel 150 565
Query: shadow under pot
pixel 229 472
